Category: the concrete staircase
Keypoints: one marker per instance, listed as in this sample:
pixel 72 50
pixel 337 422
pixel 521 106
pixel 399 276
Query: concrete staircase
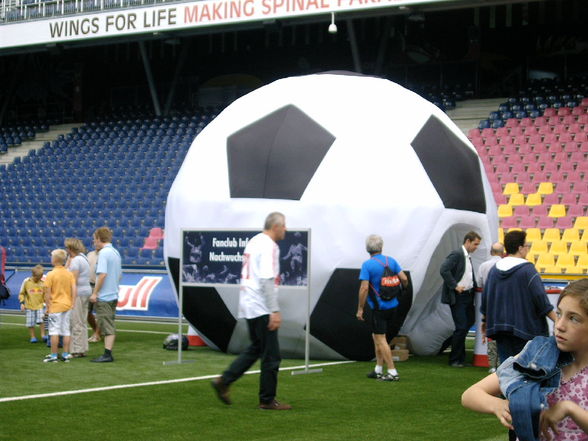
pixel 467 114
pixel 37 143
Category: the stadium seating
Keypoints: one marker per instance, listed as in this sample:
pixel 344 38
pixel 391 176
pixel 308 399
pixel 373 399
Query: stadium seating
pixel 541 157
pixel 114 172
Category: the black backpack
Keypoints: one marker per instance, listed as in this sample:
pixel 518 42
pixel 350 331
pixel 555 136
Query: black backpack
pixel 390 284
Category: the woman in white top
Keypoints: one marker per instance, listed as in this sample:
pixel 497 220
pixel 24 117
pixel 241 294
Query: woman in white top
pixel 79 266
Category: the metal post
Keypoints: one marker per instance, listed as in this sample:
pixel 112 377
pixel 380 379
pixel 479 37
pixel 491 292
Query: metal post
pixel 179 65
pixel 383 46
pixel 149 75
pixel 307 334
pixel 180 308
pixel 354 47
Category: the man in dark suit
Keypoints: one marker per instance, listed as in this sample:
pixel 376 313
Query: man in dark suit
pixel 459 284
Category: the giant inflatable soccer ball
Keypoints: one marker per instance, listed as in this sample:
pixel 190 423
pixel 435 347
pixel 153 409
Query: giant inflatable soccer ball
pixel 344 156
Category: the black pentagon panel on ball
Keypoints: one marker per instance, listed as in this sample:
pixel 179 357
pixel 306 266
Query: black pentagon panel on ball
pixel 453 168
pixel 333 320
pixel 276 156
pixel 205 310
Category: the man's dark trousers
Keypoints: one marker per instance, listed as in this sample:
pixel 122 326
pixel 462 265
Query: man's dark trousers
pixel 464 317
pixel 264 345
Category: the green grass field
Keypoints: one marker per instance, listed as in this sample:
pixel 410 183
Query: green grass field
pixel 338 404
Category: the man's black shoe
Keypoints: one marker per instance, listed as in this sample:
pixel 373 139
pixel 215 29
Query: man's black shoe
pixel 222 390
pixel 103 359
pixel 457 365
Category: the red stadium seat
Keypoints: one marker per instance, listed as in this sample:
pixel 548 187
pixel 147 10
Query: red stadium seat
pixel 527 221
pixel 550 138
pixel 540 176
pixel 560 157
pixel 575 176
pixel 566 166
pixel 156 233
pixel 525 148
pixel 474 133
pixel 568 199
pixel 564 222
pixel 545 222
pixel 540 211
pixel 566 137
pixel 534 167
pixel 555 148
pixel 487 132
pixel 563 187
pixel 551 199
pixel 528 188
pixel 509 222
pixel 570 147
pixel 522 210
pixel 576 211
pixel 151 243
pixel 580 137
pixel 568 119
pixel 491 140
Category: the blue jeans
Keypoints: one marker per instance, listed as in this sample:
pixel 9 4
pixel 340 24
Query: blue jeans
pixel 463 317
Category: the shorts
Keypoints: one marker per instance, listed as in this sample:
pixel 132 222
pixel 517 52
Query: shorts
pixel 34 317
pixel 382 320
pixel 105 312
pixel 59 323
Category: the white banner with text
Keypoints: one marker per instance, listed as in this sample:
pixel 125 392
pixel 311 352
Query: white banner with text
pixel 161 18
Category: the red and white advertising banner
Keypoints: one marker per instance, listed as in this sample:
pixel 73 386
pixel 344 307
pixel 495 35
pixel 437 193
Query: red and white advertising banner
pixel 162 18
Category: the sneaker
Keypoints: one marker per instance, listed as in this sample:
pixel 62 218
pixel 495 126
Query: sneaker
pixel 45 338
pixel 389 377
pixel 66 357
pixel 34 340
pixel 222 390
pixel 275 405
pixel 103 359
pixel 50 359
pixel 375 375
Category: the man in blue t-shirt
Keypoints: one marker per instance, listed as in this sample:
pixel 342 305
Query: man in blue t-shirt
pixel 383 311
pixel 105 295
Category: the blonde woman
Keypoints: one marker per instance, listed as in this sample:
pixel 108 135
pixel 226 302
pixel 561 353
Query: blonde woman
pixel 80 268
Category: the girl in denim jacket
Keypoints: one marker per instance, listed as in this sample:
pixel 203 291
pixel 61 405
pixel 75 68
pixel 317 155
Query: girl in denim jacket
pixel 566 419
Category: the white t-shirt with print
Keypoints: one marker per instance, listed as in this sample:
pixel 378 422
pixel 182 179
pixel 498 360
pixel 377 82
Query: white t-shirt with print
pixel 261 260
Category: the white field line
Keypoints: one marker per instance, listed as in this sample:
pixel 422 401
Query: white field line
pixel 154 383
pixel 118 330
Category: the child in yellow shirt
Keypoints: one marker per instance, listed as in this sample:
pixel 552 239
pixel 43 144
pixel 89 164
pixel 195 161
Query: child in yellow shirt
pixel 32 300
pixel 60 296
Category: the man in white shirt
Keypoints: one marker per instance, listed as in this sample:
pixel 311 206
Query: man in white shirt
pixel 258 304
pixel 459 284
